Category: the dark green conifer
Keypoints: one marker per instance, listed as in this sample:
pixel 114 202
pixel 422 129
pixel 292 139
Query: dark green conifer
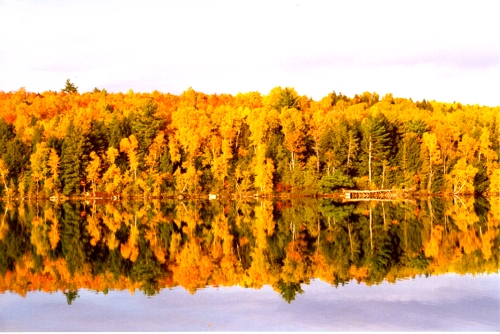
pixel 74 159
pixel 145 126
pixel 69 87
pixel 375 143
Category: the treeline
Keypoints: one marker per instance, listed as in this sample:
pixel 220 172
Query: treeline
pixel 151 245
pixel 155 144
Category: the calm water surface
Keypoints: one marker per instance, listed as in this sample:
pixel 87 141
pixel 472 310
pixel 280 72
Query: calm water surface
pixel 449 302
pixel 285 265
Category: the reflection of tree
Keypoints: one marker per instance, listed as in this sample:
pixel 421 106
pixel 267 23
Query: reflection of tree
pixel 148 272
pixel 39 236
pixel 15 243
pixel 340 243
pixel 336 249
pixel 289 290
pixel 409 222
pixel 72 239
pixel 71 296
pixel 381 249
pixel 152 245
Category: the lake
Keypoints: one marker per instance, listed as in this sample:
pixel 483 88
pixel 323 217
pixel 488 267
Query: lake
pixel 299 264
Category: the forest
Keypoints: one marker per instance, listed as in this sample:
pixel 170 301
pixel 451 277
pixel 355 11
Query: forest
pixel 68 144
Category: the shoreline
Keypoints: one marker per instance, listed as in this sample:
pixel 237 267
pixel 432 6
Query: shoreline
pixel 287 196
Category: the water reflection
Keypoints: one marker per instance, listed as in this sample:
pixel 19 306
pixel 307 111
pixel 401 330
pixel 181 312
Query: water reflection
pixel 284 244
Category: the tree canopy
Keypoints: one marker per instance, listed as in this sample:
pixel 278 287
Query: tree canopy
pixel 196 143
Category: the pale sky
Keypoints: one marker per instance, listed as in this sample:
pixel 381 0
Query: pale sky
pixel 442 50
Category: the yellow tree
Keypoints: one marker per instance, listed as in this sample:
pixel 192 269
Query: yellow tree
pixel 490 158
pixel 39 168
pixel 112 176
pixel 93 171
pixel 467 148
pixel 447 137
pixel 4 171
pixel 432 156
pixel 262 123
pixel 242 179
pixel 462 177
pixel 129 146
pixel 154 153
pixel 226 125
pixel 264 169
pixel 294 128
pixel 316 125
pixel 191 128
pixel 494 187
pixel 189 180
pixel 484 147
pixel 52 184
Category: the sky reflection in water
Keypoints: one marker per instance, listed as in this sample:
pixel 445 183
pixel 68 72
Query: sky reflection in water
pixel 448 302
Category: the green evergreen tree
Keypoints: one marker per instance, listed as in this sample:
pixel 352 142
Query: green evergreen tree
pixel 338 97
pixel 417 126
pixel 17 157
pixel 69 87
pixel 408 160
pixel 288 98
pixel 118 129
pixel 375 143
pixel 145 126
pixel 339 146
pixel 329 183
pixel 99 137
pixel 74 159
pixel 6 135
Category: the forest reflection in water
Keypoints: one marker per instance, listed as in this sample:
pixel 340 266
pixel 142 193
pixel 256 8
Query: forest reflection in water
pixel 150 245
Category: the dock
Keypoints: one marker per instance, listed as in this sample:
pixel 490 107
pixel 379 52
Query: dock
pixel 380 194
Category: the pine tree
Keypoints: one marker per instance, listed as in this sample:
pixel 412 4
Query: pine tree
pixel 375 142
pixel 409 159
pixel 145 126
pixel 69 87
pixel 99 137
pixel 6 134
pixel 118 129
pixel 4 171
pixel 339 144
pixel 17 157
pixel 284 98
pixel 74 159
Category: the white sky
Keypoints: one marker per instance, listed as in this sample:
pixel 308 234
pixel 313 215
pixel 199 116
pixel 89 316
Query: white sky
pixel 448 51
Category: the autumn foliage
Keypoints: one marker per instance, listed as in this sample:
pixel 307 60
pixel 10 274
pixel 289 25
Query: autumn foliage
pixel 154 144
